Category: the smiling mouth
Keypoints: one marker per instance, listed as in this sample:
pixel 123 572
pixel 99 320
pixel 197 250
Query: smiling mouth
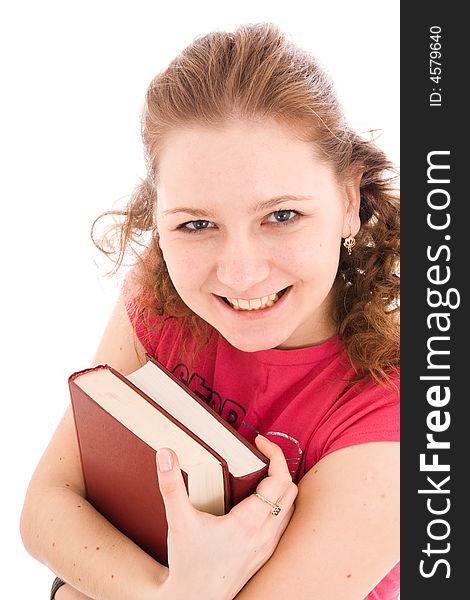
pixel 254 303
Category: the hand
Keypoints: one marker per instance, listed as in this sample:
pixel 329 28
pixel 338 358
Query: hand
pixel 213 557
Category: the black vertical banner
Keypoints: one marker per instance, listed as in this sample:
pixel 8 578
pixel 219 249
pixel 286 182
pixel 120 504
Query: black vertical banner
pixel 435 325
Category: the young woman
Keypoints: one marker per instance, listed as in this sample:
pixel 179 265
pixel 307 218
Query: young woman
pixel 267 240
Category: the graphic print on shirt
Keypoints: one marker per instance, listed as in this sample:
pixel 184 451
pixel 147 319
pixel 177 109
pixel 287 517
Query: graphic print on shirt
pixel 291 448
pixel 228 409
pixel 234 413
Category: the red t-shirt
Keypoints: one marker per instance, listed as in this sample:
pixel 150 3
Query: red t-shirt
pixel 300 399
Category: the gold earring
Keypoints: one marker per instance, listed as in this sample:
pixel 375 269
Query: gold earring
pixel 349 243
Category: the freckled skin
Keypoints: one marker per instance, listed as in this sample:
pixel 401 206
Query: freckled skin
pixel 227 171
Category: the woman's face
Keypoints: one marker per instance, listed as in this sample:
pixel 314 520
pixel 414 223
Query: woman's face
pixel 245 211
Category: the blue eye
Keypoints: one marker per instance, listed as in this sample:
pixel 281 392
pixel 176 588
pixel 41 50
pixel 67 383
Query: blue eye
pixel 281 217
pixel 194 226
pixel 284 217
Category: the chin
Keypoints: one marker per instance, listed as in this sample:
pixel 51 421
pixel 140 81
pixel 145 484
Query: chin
pixel 249 347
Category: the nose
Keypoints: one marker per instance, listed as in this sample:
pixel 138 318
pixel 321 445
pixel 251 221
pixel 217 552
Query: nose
pixel 243 263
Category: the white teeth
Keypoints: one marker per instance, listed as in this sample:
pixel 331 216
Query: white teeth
pixel 253 304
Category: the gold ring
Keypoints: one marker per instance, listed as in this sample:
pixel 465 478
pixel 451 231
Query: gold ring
pixel 276 508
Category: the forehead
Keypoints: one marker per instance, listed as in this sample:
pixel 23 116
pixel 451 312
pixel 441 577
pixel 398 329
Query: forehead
pixel 238 158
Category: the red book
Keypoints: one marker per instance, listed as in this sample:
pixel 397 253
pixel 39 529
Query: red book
pixel 121 421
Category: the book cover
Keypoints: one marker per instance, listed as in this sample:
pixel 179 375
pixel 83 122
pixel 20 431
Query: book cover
pixel 119 469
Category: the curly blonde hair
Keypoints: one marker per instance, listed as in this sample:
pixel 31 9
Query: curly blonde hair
pixel 257 72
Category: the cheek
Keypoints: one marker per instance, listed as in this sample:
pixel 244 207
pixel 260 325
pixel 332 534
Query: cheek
pixel 312 257
pixel 187 268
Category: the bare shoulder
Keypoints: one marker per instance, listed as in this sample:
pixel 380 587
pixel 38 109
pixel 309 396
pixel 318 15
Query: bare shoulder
pixel 343 537
pixel 119 346
pixel 364 467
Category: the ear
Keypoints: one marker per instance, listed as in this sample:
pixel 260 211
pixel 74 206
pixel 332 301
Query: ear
pixel 352 222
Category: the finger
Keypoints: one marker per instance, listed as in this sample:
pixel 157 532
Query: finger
pixel 277 461
pixel 276 485
pixel 172 488
pixel 254 511
pixel 271 505
pixel 282 525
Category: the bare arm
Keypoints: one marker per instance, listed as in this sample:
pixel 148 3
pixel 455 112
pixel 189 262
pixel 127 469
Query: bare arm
pixel 61 529
pixel 331 531
pixel 344 535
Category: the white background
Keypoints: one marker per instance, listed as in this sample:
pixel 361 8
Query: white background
pixel 73 79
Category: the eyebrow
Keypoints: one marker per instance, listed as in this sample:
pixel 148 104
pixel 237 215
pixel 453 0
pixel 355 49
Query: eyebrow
pixel 260 206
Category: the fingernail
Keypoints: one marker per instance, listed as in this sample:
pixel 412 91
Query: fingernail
pixel 262 437
pixel 165 461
